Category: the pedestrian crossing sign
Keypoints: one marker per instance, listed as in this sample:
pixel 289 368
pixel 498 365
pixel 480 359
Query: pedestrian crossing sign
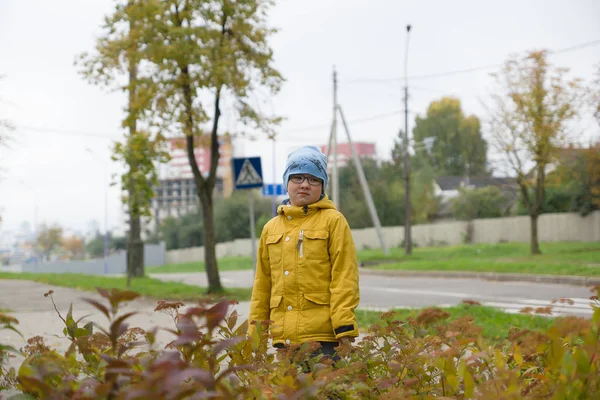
pixel 247 173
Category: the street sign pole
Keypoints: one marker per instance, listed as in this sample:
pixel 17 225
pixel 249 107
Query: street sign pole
pixel 248 175
pixel 252 227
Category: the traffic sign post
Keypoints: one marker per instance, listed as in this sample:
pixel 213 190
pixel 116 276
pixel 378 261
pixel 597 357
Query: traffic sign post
pixel 247 174
pixel 273 189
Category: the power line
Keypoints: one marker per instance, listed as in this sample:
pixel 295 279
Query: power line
pixel 465 70
pixel 353 122
pixel 576 47
pixel 298 130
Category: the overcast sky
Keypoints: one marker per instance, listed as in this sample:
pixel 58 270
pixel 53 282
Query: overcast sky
pixel 48 173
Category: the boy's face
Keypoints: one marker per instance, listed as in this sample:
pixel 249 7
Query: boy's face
pixel 304 189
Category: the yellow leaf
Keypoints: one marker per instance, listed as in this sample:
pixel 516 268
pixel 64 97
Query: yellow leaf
pixel 517 355
pixel 499 360
pixel 469 384
pixel 453 381
pixel 288 381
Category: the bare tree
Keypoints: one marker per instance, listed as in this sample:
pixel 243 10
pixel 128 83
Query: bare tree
pixel 5 125
pixel 5 128
pixel 595 95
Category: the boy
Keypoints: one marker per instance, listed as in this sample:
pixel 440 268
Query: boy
pixel 306 278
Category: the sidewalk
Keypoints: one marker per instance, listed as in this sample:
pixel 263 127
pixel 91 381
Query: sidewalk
pixel 25 301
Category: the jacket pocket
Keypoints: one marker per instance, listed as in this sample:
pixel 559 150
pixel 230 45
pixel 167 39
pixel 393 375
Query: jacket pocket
pixel 315 318
pixel 315 300
pixel 316 244
pixel 274 247
pixel 276 315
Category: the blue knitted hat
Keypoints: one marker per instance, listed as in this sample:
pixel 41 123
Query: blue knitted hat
pixel 306 160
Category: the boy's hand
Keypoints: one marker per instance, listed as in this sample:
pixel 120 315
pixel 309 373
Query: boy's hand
pixel 345 347
pixel 346 340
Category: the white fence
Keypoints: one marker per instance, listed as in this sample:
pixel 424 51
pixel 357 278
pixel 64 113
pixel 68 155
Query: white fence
pixel 551 228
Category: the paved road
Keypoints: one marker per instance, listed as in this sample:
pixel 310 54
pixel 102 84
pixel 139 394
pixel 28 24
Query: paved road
pixel 385 292
pixel 25 301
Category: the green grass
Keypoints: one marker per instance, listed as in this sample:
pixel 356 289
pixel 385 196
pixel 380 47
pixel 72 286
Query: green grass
pixel 225 264
pixel 584 252
pixel 563 258
pixel 147 287
pixel 495 323
pixel 582 259
pixel 515 267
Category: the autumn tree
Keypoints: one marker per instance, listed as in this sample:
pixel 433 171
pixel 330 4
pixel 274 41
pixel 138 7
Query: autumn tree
pixel 119 56
pixel 487 202
pixel 592 175
pixel 529 121
pixel 94 247
pixel 5 126
pixel 49 238
pixel 595 95
pixel 73 245
pixel 204 52
pixel 459 147
pixel 577 177
pixel 388 194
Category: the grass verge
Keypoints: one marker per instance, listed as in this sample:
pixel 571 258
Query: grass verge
pixel 495 323
pixel 147 287
pixel 225 264
pixel 563 258
pixel 583 252
pixel 513 267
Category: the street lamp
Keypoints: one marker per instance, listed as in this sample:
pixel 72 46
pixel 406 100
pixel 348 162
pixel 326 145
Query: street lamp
pixel 407 210
pixel 106 239
pixel 274 198
pixel 35 227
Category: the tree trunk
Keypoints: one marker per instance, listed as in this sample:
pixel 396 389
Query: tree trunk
pixel 135 246
pixel 535 245
pixel 135 249
pixel 210 243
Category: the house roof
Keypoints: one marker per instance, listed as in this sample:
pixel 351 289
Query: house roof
pixel 456 182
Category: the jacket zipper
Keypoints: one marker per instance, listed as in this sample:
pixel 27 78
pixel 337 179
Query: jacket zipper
pixel 300 241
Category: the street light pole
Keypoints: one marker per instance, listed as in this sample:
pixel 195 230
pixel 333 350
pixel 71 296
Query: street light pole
pixel 35 225
pixel 407 208
pixel 335 192
pixel 106 238
pixel 274 198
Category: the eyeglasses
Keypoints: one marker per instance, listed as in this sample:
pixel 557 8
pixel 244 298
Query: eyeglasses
pixel 312 181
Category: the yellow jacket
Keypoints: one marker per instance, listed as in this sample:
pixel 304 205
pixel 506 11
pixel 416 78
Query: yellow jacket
pixel 306 278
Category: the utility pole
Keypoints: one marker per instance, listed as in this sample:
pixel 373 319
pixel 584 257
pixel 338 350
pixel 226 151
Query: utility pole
pixel 366 191
pixel 407 208
pixel 361 174
pixel 274 197
pixel 335 192
pixel 252 228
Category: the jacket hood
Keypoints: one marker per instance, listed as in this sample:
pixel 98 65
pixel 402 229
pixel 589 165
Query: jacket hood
pixel 288 209
pixel 306 160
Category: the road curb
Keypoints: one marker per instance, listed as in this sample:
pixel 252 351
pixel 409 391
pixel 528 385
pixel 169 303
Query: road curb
pixel 490 276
